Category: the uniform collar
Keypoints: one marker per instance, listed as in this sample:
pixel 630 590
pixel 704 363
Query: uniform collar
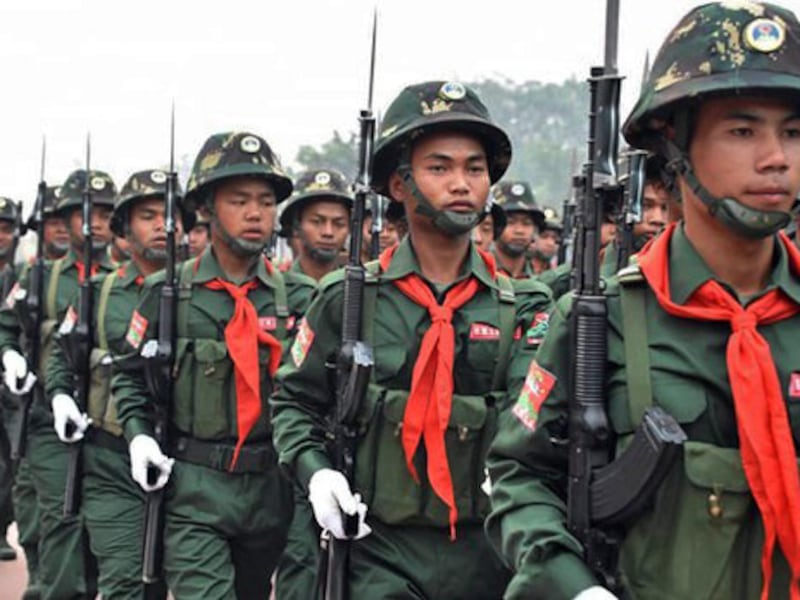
pixel 207 269
pixel 404 262
pixel 688 271
pixel 128 272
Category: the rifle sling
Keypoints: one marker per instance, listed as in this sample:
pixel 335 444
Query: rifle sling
pixel 105 292
pixel 637 352
pixel 52 289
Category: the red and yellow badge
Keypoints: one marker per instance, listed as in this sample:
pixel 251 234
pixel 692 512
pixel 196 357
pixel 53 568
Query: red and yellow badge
pixel 537 387
pixel 538 329
pixel 302 342
pixel 267 323
pixel 137 329
pixel 483 332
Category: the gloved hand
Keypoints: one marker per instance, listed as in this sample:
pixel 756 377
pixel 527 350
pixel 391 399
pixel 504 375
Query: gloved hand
pixel 65 412
pixel 145 455
pixel 596 592
pixel 16 375
pixel 331 498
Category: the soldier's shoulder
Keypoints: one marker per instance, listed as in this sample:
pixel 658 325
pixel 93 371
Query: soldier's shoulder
pixel 156 279
pixel 530 286
pixel 296 279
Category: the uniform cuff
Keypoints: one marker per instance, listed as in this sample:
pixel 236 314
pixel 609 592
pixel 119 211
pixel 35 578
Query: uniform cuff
pixel 561 577
pixel 136 426
pixel 309 463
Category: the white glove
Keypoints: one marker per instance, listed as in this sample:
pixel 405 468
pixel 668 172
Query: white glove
pixel 596 592
pixel 18 379
pixel 330 497
pixel 146 454
pixel 66 411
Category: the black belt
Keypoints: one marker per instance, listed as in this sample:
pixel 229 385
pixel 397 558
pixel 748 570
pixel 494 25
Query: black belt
pixel 253 458
pixel 104 439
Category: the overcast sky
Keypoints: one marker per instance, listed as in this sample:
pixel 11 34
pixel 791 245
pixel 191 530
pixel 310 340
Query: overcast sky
pixel 289 70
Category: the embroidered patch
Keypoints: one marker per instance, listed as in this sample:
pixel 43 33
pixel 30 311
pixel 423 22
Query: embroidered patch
pixel 538 329
pixel 13 295
pixel 794 385
pixel 68 324
pixel 136 330
pixel 302 343
pixel 290 322
pixel 538 384
pixel 267 323
pixel 482 331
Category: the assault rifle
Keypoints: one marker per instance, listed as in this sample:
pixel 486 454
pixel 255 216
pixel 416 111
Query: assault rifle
pixel 32 316
pixel 354 361
pixel 602 494
pixel 79 343
pixel 376 206
pixel 631 214
pixel 159 363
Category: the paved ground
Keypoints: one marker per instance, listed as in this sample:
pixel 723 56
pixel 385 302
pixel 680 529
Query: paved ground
pixel 13 574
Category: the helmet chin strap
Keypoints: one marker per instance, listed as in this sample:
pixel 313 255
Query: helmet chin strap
pixel 449 222
pixel 743 220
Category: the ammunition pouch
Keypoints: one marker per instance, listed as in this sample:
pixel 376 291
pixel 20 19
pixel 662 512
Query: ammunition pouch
pixel 102 409
pixel 382 476
pixel 205 391
pixel 253 458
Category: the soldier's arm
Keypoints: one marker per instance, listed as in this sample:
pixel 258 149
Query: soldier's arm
pixel 128 384
pixel 10 326
pixel 528 464
pixel 300 292
pixel 59 373
pixel 303 394
pixel 534 303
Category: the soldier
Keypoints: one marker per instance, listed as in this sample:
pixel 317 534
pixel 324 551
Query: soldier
pixel 62 567
pixel 318 216
pixel 437 153
pixel 523 220
pixel 199 234
pixel 719 300
pixel 391 232
pixel 113 504
pixel 56 234
pixel 490 228
pixel 119 250
pixel 544 249
pixel 227 506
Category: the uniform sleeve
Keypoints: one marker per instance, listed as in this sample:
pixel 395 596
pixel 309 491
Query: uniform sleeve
pixel 128 384
pixel 534 302
pixel 528 470
pixel 10 328
pixel 300 291
pixel 59 374
pixel 303 395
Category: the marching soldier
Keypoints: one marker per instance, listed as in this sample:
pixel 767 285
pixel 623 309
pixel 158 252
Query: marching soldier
pixel 227 505
pixel 392 231
pixel 63 564
pixel 318 216
pixel 544 249
pixel 433 295
pixel 490 228
pixel 718 303
pixel 113 504
pixel 200 234
pixel 523 220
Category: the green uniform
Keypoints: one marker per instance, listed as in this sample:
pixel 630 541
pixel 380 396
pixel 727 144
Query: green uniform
pixel 7 279
pixel 557 279
pixel 409 553
pixel 62 543
pixel 113 504
pixel 224 531
pixel 676 549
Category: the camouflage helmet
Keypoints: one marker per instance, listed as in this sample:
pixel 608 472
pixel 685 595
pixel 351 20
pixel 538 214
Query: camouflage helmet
pixel 51 198
pixel 436 105
pixel 517 196
pixel 71 193
pixel 10 211
pixel 718 48
pixel 142 185
pixel 234 154
pixel 316 184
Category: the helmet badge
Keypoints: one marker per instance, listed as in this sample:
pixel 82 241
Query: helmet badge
pixel 764 35
pixel 250 144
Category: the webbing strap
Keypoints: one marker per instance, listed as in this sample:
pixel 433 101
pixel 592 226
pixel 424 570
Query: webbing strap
pixel 508 315
pixel 281 304
pixel 105 292
pixel 637 352
pixel 52 289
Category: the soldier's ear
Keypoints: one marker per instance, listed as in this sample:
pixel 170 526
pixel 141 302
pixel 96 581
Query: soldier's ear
pixel 397 188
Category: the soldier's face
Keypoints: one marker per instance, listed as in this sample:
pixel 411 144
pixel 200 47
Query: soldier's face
pixel 451 171
pixel 518 233
pixel 56 236
pixel 6 239
pixel 483 234
pixel 198 239
pixel 655 203
pixel 147 230
pixel 748 149
pixel 101 232
pixel 244 214
pixel 546 245
pixel 323 228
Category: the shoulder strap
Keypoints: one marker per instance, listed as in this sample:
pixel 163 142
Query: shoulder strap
pixel 507 310
pixel 637 352
pixel 52 288
pixel 281 303
pixel 372 277
pixel 184 296
pixel 105 292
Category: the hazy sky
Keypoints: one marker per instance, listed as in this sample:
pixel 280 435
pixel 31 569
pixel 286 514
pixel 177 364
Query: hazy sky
pixel 292 71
